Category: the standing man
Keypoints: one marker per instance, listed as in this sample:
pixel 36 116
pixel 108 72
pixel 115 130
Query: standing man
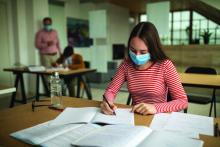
pixel 47 42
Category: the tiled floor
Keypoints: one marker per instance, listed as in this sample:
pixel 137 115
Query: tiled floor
pixel 122 98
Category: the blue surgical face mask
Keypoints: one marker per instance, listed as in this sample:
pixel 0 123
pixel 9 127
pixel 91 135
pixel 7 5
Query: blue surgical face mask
pixel 139 59
pixel 48 27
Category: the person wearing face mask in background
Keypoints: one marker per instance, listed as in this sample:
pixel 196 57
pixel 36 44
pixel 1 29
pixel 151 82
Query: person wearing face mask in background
pixel 72 61
pixel 47 42
pixel 149 74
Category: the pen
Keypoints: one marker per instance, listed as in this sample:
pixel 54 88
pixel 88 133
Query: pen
pixel 108 104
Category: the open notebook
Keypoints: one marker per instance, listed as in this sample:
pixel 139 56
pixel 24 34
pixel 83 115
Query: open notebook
pixel 93 115
pixel 107 136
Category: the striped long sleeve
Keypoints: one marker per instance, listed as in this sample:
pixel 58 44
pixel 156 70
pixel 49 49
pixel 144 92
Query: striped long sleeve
pixel 150 85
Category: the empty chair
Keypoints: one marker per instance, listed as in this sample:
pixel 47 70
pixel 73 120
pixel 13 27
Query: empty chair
pixel 192 98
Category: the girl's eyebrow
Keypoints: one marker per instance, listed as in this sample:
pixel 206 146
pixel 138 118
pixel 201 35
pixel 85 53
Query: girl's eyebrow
pixel 140 49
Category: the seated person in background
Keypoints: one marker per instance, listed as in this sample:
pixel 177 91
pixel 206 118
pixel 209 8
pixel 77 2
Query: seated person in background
pixel 72 61
pixel 149 74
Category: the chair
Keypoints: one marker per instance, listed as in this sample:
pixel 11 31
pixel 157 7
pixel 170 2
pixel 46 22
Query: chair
pixel 202 99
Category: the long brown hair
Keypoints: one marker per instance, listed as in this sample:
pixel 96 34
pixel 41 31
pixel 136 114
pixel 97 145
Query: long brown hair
pixel 147 32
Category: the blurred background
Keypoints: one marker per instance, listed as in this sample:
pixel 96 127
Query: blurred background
pixel 189 31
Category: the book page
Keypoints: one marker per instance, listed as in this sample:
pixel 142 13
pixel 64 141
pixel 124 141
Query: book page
pixel 75 115
pixel 169 139
pixel 115 136
pixel 123 116
pixel 65 139
pixel 40 133
pixel 190 123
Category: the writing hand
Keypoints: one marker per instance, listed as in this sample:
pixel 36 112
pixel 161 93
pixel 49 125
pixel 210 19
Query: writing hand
pixel 106 109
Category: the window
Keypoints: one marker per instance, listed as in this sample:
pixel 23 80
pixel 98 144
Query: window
pixel 142 17
pixel 179 26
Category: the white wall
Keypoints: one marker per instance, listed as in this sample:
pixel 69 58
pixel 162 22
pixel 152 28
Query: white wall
pixel 117 31
pixel 158 14
pixel 57 14
pixel 5 78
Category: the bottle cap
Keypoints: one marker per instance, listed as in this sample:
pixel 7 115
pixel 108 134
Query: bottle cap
pixel 56 74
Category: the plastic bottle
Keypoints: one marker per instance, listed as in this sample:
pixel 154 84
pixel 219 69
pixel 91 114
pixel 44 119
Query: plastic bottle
pixel 56 91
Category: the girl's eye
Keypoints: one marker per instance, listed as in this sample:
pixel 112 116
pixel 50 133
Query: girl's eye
pixel 143 52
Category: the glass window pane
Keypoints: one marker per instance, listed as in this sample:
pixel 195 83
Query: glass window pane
pixel 212 24
pixel 143 17
pixel 195 24
pixel 176 35
pixel 197 16
pixel 170 16
pixel 176 25
pixel 185 15
pixel 184 35
pixel 195 34
pixel 204 24
pixel 176 16
pixel 184 24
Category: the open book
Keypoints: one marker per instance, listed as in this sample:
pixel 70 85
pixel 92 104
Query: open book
pixel 93 115
pixel 133 136
pixel 54 136
pixel 106 136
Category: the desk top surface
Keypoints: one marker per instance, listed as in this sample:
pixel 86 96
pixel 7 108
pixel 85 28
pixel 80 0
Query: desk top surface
pixel 21 117
pixel 61 72
pixel 200 79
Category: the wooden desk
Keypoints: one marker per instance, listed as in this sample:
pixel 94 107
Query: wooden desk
pixel 22 117
pixel 204 81
pixel 66 75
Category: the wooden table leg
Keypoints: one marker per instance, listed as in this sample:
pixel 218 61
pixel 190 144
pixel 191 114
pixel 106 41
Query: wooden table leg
pixel 17 79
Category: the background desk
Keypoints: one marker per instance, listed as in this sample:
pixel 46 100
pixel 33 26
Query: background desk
pixel 202 80
pixel 66 75
pixel 21 117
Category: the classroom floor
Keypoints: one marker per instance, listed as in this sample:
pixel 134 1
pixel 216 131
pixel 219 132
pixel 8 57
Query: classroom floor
pixel 98 90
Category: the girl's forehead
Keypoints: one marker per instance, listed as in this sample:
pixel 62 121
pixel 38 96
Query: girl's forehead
pixel 138 44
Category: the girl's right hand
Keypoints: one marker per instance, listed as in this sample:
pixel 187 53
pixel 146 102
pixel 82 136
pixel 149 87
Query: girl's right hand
pixel 106 109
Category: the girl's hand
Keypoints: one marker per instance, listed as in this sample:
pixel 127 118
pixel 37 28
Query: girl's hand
pixel 106 109
pixel 144 109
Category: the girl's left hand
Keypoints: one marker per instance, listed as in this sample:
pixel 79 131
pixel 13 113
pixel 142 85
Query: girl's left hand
pixel 144 109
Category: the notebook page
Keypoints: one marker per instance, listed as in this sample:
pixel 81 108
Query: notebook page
pixel 190 123
pixel 75 115
pixel 159 121
pixel 123 116
pixel 115 136
pixel 40 133
pixel 65 140
pixel 169 139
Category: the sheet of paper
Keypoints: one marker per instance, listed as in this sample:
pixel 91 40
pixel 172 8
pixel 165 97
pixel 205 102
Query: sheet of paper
pixel 159 121
pixel 123 116
pixel 190 123
pixel 42 132
pixel 75 115
pixel 115 136
pixel 65 140
pixel 169 139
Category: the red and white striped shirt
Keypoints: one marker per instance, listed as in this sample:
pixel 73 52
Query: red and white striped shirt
pixel 150 85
